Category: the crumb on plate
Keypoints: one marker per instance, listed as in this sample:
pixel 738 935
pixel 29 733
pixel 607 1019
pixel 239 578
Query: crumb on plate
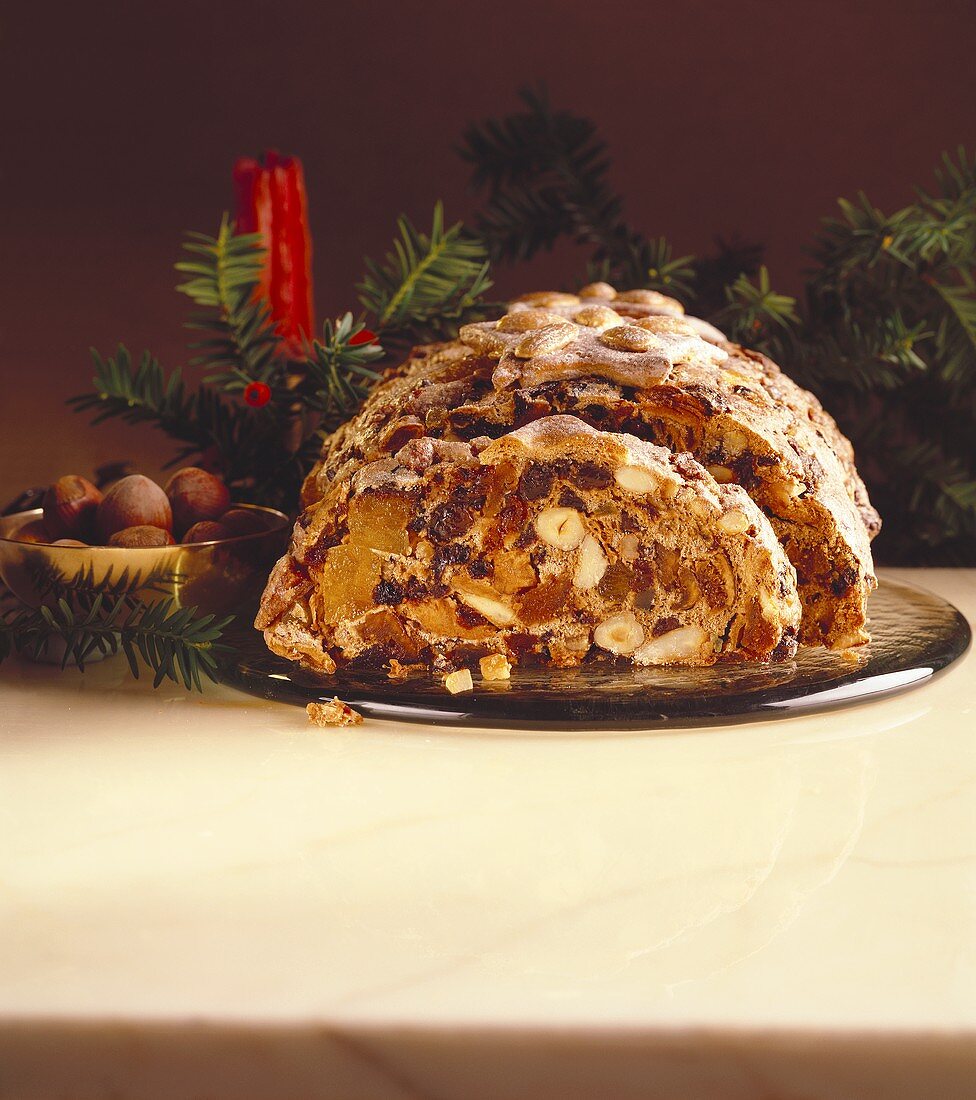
pixel 335 713
pixel 459 681
pixel 495 667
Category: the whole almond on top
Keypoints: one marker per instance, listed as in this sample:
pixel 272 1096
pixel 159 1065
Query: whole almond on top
pixel 135 501
pixel 627 338
pixel 543 340
pixel 141 538
pixel 70 506
pixel 196 495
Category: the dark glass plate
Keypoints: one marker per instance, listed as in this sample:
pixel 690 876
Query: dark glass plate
pixel 915 635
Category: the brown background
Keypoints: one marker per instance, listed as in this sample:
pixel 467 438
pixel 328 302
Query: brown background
pixel 122 122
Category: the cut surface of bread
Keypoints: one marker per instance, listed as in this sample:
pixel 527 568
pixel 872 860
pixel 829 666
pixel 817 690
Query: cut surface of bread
pixel 631 364
pixel 552 542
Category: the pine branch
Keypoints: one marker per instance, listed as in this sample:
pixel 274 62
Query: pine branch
pixel 241 345
pixel 139 393
pixel 545 176
pixel 337 377
pixel 264 452
pixel 174 643
pixel 50 581
pixel 956 338
pixel 889 343
pixel 756 315
pixel 428 284
pixel 956 179
pixel 716 272
pixel 142 393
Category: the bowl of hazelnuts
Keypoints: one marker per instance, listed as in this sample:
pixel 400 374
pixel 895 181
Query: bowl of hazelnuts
pixel 184 541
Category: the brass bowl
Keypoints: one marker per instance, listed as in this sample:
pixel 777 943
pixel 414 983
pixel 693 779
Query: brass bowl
pixel 215 577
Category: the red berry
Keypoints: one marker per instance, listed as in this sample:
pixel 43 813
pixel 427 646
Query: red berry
pixel 364 337
pixel 257 394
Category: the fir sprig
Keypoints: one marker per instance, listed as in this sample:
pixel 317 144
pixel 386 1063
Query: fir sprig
pixel 428 284
pixel 754 313
pixel 888 341
pixel 337 375
pixel 139 392
pixel 544 173
pixel 240 344
pixel 174 643
pixel 263 453
pixel 143 392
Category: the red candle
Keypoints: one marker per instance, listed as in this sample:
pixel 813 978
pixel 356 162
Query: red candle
pixel 271 200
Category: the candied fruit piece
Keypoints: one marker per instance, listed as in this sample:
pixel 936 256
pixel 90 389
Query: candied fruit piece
pixel 501 481
pixel 495 667
pixel 384 628
pixel 379 521
pixel 440 617
pixel 617 582
pixel 346 582
pixel 513 572
pixel 667 561
pixel 541 604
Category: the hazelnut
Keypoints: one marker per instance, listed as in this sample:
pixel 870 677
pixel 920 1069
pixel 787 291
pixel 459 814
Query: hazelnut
pixel 135 501
pixel 70 506
pixel 140 537
pixel 196 495
pixel 560 527
pixel 722 474
pixel 207 530
pixel 242 521
pixel 620 633
pixel 35 531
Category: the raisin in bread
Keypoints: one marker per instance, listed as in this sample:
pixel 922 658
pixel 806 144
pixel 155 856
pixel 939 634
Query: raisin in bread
pixel 551 541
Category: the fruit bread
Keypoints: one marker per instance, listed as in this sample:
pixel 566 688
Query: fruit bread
pixel 549 542
pixel 657 376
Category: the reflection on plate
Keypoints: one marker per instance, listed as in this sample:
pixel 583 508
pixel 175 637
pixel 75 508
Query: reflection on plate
pixel 915 634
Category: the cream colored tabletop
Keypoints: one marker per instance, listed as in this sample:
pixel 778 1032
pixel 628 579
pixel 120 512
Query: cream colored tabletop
pixel 206 897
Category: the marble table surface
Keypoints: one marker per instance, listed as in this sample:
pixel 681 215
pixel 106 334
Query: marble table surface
pixel 203 896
